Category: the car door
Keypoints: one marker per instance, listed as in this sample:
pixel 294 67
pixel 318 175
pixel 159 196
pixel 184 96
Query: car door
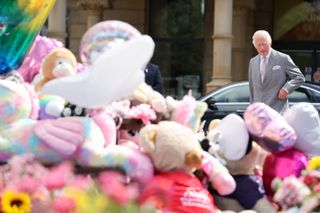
pixel 305 94
pixel 233 98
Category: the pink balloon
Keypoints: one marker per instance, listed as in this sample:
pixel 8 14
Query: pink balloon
pixel 269 128
pixel 103 36
pixel 281 165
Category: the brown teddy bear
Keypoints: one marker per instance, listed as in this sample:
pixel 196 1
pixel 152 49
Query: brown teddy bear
pixel 241 156
pixel 58 63
pixel 176 154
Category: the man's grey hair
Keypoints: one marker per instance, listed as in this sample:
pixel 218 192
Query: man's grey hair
pixel 261 34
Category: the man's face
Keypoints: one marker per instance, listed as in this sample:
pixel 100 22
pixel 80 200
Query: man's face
pixel 262 46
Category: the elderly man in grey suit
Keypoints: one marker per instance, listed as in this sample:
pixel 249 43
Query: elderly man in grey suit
pixel 272 74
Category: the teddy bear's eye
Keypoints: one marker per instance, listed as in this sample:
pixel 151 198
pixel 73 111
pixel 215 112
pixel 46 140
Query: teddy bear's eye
pixel 132 133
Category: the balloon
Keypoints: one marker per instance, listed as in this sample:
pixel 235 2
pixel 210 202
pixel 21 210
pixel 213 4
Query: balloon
pixel 234 137
pixel 22 20
pixel 281 165
pixel 269 128
pixel 304 119
pixel 114 75
pixel 104 36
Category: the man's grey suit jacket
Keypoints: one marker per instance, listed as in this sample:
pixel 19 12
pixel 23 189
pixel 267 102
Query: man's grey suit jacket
pixel 281 72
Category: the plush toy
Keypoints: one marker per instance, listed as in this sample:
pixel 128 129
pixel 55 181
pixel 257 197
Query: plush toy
pixel 60 62
pixel 176 154
pixel 41 47
pixel 145 94
pixel 187 111
pixel 131 119
pixel 229 140
pixel 117 59
pixel 88 141
pixel 273 133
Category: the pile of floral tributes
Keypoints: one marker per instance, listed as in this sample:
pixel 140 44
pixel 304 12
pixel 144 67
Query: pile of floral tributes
pixel 300 194
pixel 28 186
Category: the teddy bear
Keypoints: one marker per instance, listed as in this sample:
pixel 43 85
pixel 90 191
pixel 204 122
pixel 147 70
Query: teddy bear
pixel 145 94
pixel 59 62
pixel 176 154
pixel 228 139
pixel 41 47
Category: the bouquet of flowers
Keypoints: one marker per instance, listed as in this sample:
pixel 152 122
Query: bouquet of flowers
pixel 300 194
pixel 27 186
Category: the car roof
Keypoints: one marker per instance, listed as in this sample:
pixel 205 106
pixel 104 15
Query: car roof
pixel 209 94
pixel 313 86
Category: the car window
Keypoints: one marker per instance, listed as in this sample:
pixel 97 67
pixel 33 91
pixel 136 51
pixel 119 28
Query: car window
pixel 238 93
pixel 316 96
pixel 299 96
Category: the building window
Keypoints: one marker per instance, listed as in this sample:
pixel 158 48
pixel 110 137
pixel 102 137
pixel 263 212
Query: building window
pixel 177 28
pixel 295 30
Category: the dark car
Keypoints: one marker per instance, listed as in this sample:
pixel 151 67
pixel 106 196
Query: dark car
pixel 234 98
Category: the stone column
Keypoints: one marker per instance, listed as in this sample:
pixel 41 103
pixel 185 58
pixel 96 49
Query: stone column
pixel 242 42
pixel 95 9
pixel 57 21
pixel 208 44
pixel 222 44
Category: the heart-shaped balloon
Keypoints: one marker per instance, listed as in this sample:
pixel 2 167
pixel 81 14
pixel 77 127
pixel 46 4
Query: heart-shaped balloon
pixel 268 128
pixel 304 119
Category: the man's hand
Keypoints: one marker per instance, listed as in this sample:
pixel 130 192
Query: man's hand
pixel 283 94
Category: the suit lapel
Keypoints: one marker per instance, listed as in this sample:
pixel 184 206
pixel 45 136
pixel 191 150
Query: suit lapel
pixel 272 61
pixel 256 66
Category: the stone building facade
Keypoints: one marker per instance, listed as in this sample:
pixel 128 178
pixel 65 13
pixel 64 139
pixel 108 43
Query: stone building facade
pixel 226 39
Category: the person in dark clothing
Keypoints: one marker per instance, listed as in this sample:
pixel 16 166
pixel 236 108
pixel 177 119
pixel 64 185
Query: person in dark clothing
pixel 153 77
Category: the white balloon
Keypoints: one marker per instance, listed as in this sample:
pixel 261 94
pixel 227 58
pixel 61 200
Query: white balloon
pixel 234 137
pixel 304 119
pixel 114 75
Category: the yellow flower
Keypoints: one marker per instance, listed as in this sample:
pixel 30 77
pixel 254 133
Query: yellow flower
pixel 314 163
pixel 87 201
pixel 15 202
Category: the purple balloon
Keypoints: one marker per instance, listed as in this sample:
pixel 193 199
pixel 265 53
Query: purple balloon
pixel 268 128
